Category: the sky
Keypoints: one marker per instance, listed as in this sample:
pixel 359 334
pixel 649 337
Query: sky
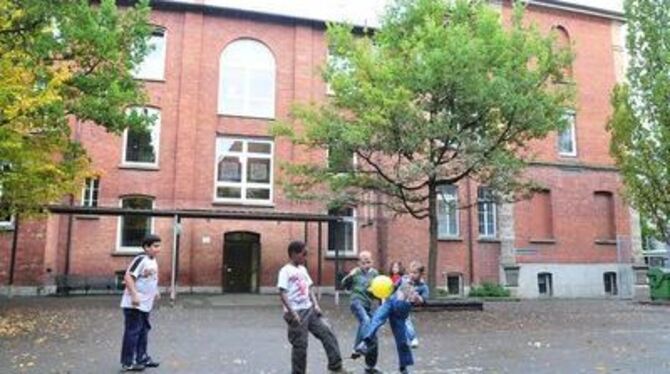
pixel 358 12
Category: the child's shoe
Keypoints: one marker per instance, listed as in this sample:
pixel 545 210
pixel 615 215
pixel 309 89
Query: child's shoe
pixel 404 370
pixel 414 343
pixel 354 355
pixel 150 363
pixel 361 349
pixel 132 367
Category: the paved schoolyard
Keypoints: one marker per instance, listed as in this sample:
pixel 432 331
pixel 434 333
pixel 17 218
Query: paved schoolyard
pixel 245 334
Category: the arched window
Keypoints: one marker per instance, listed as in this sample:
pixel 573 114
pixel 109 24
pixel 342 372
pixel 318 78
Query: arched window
pixel 247 80
pixel 563 41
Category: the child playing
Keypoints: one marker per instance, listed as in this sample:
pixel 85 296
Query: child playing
pixel 396 271
pixel 141 290
pixel 358 281
pixel 409 290
pixel 303 314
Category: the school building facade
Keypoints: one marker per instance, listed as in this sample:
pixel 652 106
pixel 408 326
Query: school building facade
pixel 217 77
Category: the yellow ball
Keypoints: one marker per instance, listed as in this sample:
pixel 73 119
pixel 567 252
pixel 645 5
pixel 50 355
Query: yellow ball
pixel 381 286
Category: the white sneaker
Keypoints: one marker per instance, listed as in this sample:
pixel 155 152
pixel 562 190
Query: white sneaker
pixel 414 343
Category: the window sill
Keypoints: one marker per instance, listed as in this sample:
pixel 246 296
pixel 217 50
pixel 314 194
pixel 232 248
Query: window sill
pixel 567 155
pixel 151 80
pixel 488 240
pixel 243 205
pixel 331 256
pixel 243 116
pixel 118 253
pixel 86 218
pixel 605 241
pixel 7 227
pixel 139 167
pixel 542 241
pixel 450 239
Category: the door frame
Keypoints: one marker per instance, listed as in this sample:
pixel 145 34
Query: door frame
pixel 255 262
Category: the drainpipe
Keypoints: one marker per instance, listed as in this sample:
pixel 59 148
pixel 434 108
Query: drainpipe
pixel 15 239
pixel 68 240
pixel 470 244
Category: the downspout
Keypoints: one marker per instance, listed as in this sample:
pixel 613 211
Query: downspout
pixel 471 276
pixel 15 240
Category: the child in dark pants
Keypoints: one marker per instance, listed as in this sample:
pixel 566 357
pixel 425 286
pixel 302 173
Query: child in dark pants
pixel 141 280
pixel 358 281
pixel 303 314
pixel 409 290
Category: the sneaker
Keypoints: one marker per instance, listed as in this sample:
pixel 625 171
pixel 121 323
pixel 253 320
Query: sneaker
pixel 414 343
pixel 361 349
pixel 354 355
pixel 341 370
pixel 404 370
pixel 133 367
pixel 150 363
pixel 369 370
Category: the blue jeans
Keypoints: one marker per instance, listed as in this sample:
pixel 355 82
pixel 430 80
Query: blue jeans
pixel 396 312
pixel 363 316
pixel 411 331
pixel 135 336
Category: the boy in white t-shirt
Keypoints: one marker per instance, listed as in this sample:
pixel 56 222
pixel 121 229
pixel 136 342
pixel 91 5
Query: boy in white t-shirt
pixel 138 299
pixel 303 314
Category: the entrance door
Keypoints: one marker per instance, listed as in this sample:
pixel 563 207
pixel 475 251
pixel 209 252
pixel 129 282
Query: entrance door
pixel 241 256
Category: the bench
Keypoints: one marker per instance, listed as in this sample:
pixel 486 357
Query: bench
pixel 436 305
pixel 65 284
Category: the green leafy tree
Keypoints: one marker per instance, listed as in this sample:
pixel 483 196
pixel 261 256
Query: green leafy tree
pixel 640 123
pixel 442 91
pixel 61 62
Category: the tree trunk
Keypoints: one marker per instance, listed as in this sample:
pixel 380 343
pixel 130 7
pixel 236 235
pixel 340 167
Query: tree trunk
pixel 432 244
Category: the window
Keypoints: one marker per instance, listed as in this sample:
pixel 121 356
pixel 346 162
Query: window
pixel 153 65
pixel 447 211
pixel 486 213
pixel 567 145
pixel 342 235
pixel 340 160
pixel 132 229
pixel 609 280
pixel 243 170
pixel 89 195
pixel 140 146
pixel 544 284
pixel 247 80
pixel 454 284
pixel 338 64
pixel 542 223
pixel 604 215
pixel 563 42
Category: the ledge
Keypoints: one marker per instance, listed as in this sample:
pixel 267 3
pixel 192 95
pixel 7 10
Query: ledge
pixel 139 167
pixel 489 240
pixel 125 254
pixel 341 257
pixel 542 241
pixel 86 218
pixel 450 239
pixel 242 205
pixel 605 241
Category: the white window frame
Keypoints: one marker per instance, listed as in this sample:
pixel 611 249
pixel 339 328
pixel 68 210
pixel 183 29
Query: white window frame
pixel 119 226
pixel 342 252
pixel 155 139
pixel 243 156
pixel 266 64
pixel 445 199
pixel 572 128
pixel 488 204
pixel 144 70
pixel 5 225
pixel 87 192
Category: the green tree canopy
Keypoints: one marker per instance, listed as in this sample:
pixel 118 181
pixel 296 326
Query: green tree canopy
pixel 60 62
pixel 640 123
pixel 442 91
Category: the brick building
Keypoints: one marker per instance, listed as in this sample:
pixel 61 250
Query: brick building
pixel 222 70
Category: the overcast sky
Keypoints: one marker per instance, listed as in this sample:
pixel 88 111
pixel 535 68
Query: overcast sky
pixel 359 12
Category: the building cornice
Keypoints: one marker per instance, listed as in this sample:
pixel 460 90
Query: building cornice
pixel 578 8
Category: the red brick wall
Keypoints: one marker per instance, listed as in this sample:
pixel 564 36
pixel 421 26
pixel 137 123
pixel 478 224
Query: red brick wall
pixel 190 124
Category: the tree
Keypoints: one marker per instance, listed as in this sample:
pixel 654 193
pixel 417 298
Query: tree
pixel 640 123
pixel 442 91
pixel 60 62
